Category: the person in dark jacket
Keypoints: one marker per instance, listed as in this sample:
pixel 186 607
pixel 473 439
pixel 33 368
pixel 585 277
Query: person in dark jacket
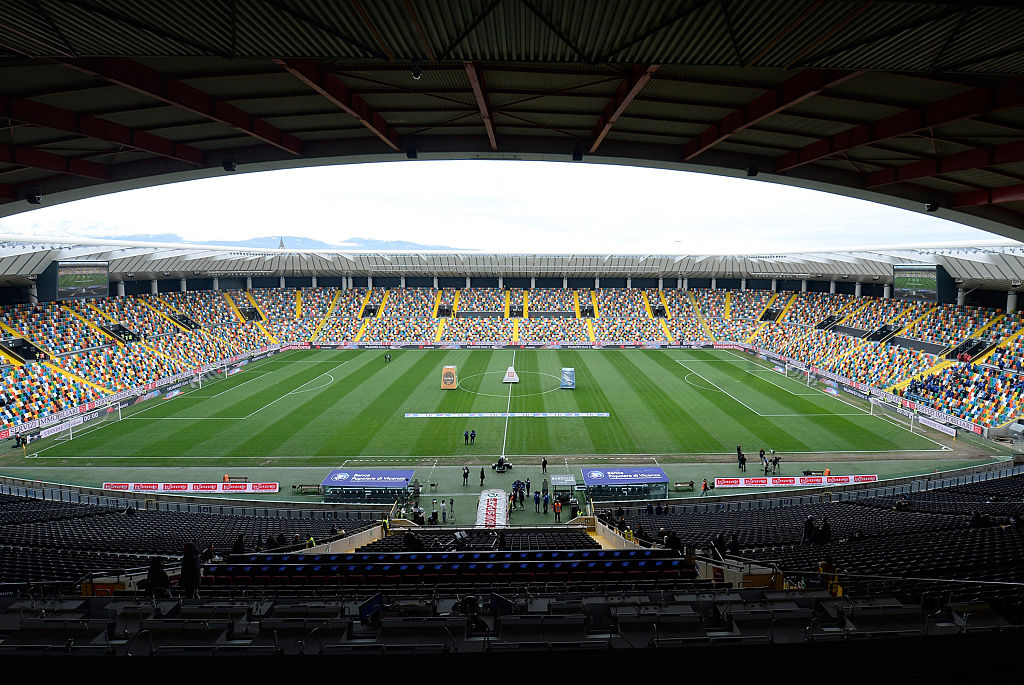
pixel 809 530
pixel 188 584
pixel 239 546
pixel 157 582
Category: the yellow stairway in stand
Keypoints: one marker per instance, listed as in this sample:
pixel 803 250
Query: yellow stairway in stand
pixel 366 301
pixel 330 312
pixel 771 301
pixel 593 301
pixel 18 334
pixel 576 303
pixel 526 305
pixel 362 330
pixel 91 325
pixel 266 332
pixel 164 315
pixel 664 327
pixel 515 329
pixel 298 304
pixel 78 379
pixel 508 302
pixel 700 318
pixel 383 305
pixel 647 305
pixel 753 336
pixel 256 305
pixel 455 304
pixel 852 314
pixel 789 305
pixel 664 303
pixel 728 304
pixel 234 307
pixel 911 324
pixel 590 330
pixel 437 303
pixel 440 330
pixel 937 368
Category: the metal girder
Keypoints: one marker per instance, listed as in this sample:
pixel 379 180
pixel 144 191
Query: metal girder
pixel 977 158
pixel 331 87
pixel 40 114
pixel 995 196
pixel 963 105
pixel 41 159
pixel 794 91
pixel 476 81
pixel 146 81
pixel 628 89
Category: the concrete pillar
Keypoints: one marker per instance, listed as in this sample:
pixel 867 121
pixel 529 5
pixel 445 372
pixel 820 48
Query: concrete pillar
pixel 120 288
pixel 33 292
pixel 435 282
pixel 280 282
pixel 661 284
pixel 803 285
pixel 313 282
pixel 714 284
pixel 501 281
pixel 350 283
pixel 629 282
pixel 216 282
pixel 533 282
pixel 248 283
pixel 887 293
pixel 686 284
pixel 832 287
pixel 152 287
pixel 403 281
pixel 369 281
pixel 679 283
pixel 467 281
pixel 565 283
pixel 597 284
pixel 857 289
pixel 775 285
pixel 1011 301
pixel 743 284
pixel 961 297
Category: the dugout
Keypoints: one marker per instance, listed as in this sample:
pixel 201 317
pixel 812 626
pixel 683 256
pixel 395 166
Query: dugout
pixel 604 484
pixel 563 487
pixel 366 486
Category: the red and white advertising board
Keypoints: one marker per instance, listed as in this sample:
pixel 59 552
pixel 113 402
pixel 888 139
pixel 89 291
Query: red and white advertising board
pixel 792 481
pixel 189 488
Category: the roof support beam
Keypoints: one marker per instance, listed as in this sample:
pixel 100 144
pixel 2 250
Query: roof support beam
pixel 995 196
pixel 964 105
pixel 804 85
pixel 40 114
pixel 141 79
pixel 628 89
pixel 41 159
pixel 978 158
pixel 331 87
pixel 476 81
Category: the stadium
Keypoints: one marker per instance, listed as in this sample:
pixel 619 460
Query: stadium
pixel 213 450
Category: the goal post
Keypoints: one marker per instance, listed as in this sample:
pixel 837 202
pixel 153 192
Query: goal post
pixel 897 415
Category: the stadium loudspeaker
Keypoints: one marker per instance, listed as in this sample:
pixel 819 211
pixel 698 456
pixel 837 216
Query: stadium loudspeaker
pixel 752 169
pixel 34 198
pixel 411 153
pixel 931 206
pixel 577 153
pixel 229 165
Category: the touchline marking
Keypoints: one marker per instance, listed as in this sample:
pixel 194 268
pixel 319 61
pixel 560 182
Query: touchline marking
pixel 210 397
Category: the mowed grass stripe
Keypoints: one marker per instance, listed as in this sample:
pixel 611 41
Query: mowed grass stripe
pixel 435 436
pixel 607 435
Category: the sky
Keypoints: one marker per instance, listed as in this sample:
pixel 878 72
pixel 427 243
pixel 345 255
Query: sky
pixel 499 206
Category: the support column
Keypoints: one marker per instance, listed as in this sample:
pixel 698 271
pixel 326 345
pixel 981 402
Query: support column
pixel 33 292
pixel 152 287
pixel 248 283
pixel 743 284
pixel 679 283
pixel 369 281
pixel 714 284
pixel 216 282
pixel 533 282
pixel 961 297
pixel 403 281
pixel 350 283
pixel 832 287
pixel 183 285
pixel 280 282
pixel 1011 301
pixel 597 284
pixel 467 282
pixel 857 289
pixel 887 292
pixel 803 285
pixel 629 282
pixel 565 283
pixel 312 283
pixel 775 285
pixel 686 284
pixel 661 284
pixel 120 288
pixel 435 282
pixel 501 282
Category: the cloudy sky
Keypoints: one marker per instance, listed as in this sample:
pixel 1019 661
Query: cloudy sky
pixel 499 206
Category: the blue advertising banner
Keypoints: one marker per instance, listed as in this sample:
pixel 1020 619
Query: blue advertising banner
pixel 624 476
pixel 365 478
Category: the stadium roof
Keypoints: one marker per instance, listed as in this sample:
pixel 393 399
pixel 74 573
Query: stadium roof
pixel 998 264
pixel 899 102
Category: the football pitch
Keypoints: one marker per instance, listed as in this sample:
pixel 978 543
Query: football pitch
pixel 326 407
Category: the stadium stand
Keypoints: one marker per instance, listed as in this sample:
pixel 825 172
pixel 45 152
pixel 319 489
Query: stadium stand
pixel 477 329
pixel 482 300
pixel 810 309
pixel 200 347
pixel 205 307
pixel 980 394
pixel 410 303
pixel 874 312
pixel 948 324
pixel 34 390
pixel 710 303
pixel 119 367
pixel 131 312
pixel 556 329
pixel 551 300
pixel 628 330
pixel 621 303
pixel 51 327
pixel 400 329
pixel 748 304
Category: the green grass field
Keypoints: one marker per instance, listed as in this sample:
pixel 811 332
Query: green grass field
pixel 320 407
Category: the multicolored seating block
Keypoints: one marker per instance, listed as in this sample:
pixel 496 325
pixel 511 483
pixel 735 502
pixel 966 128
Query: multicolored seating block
pixel 552 300
pixel 482 300
pixel 553 329
pixel 410 303
pixel 34 390
pixel 621 303
pixel 477 328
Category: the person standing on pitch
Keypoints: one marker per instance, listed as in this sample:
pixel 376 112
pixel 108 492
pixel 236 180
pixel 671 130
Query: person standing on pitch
pixel 444 511
pixel 545 504
pixel 536 501
pixel 527 486
pixel 557 508
pixel 472 437
pixel 481 476
pixel 466 437
pixel 465 475
pixel 704 488
pixel 451 508
pixel 544 465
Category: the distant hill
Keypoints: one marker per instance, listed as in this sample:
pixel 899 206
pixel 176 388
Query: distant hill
pixel 290 242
